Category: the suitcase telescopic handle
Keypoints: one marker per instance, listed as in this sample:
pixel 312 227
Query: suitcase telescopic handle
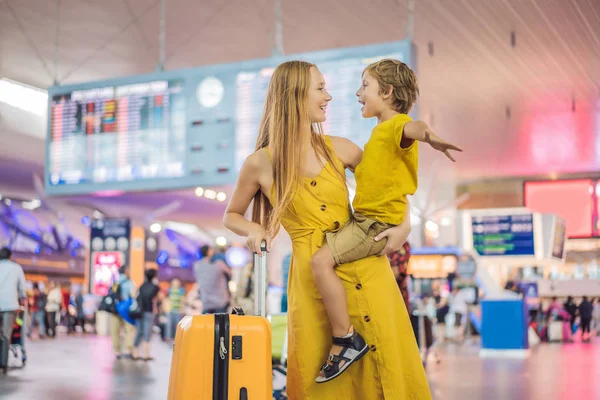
pixel 260 280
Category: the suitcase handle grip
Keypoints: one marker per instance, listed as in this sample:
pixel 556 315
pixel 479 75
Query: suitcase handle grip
pixel 260 281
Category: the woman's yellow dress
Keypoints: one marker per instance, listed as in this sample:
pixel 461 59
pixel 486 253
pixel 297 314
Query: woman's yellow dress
pixel 392 370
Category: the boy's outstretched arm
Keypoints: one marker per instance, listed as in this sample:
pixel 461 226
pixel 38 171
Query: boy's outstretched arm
pixel 419 130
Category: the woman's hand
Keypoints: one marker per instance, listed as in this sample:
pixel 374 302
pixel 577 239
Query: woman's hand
pixel 255 237
pixel 396 237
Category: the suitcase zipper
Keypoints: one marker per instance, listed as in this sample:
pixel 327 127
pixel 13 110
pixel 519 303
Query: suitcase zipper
pixel 222 349
pixel 221 358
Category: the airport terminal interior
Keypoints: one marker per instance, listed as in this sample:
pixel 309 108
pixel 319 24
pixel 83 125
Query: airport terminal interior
pixel 125 128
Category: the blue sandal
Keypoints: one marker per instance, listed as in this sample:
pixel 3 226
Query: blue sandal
pixel 354 348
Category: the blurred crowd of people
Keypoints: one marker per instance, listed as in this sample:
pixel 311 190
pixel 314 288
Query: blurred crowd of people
pixel 130 313
pixel 568 318
pixel 135 313
pixel 55 305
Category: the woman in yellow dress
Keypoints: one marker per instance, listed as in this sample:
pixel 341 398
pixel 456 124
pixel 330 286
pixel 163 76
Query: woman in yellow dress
pixel 296 179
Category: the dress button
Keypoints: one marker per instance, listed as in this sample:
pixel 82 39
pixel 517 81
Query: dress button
pixel 373 348
pixel 323 207
pixel 367 318
pixel 358 286
pixel 336 225
pixel 313 183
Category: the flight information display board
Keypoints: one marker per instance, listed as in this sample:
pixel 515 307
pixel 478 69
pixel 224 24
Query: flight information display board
pixel 344 118
pixel 118 134
pixel 186 128
pixel 504 235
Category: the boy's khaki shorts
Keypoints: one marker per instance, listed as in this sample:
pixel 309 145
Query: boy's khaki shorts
pixel 355 240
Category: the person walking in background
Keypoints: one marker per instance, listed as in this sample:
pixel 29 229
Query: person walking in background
pixel 146 301
pixel 219 254
pixel 571 309
pixel 212 280
pixel 53 306
pixel 125 307
pixel 162 317
pixel 37 311
pixel 556 312
pixel 176 297
pixel 219 257
pixel 65 316
pixel 586 312
pixel 79 313
pixel 121 291
pixel 126 285
pixel 12 292
pixel 399 263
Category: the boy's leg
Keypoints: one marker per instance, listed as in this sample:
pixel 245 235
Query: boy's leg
pixel 332 291
pixel 334 299
pixel 352 242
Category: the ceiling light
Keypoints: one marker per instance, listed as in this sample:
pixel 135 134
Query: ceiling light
pixel 221 196
pixel 199 191
pixel 155 228
pixel 24 97
pixel 210 194
pixel 221 241
pixel 31 205
pixel 431 226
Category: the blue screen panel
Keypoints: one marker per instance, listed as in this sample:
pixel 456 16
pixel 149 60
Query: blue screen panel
pixel 504 235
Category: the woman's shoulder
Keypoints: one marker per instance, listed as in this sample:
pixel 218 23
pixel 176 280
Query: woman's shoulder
pixel 258 161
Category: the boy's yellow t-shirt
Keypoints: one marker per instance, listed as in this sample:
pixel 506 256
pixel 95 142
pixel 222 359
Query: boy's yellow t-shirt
pixel 387 173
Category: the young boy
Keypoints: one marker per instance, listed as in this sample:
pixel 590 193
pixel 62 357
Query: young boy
pixel 386 174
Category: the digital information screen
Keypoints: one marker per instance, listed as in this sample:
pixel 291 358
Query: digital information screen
pixel 109 245
pixel 506 235
pixel 117 134
pixel 574 200
pixel 187 128
pixel 342 79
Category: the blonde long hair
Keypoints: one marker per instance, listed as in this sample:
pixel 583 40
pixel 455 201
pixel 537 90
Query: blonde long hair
pixel 286 111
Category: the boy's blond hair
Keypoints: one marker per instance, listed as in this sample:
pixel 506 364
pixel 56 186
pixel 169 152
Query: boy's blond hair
pixel 401 78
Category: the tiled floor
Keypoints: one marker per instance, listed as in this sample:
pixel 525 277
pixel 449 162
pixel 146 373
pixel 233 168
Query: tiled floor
pixel 551 372
pixel 84 368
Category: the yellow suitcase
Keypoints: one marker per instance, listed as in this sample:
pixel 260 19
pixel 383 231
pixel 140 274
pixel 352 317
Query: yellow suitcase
pixel 222 356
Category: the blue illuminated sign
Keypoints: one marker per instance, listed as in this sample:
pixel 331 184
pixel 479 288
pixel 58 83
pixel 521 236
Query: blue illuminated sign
pixel 504 235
